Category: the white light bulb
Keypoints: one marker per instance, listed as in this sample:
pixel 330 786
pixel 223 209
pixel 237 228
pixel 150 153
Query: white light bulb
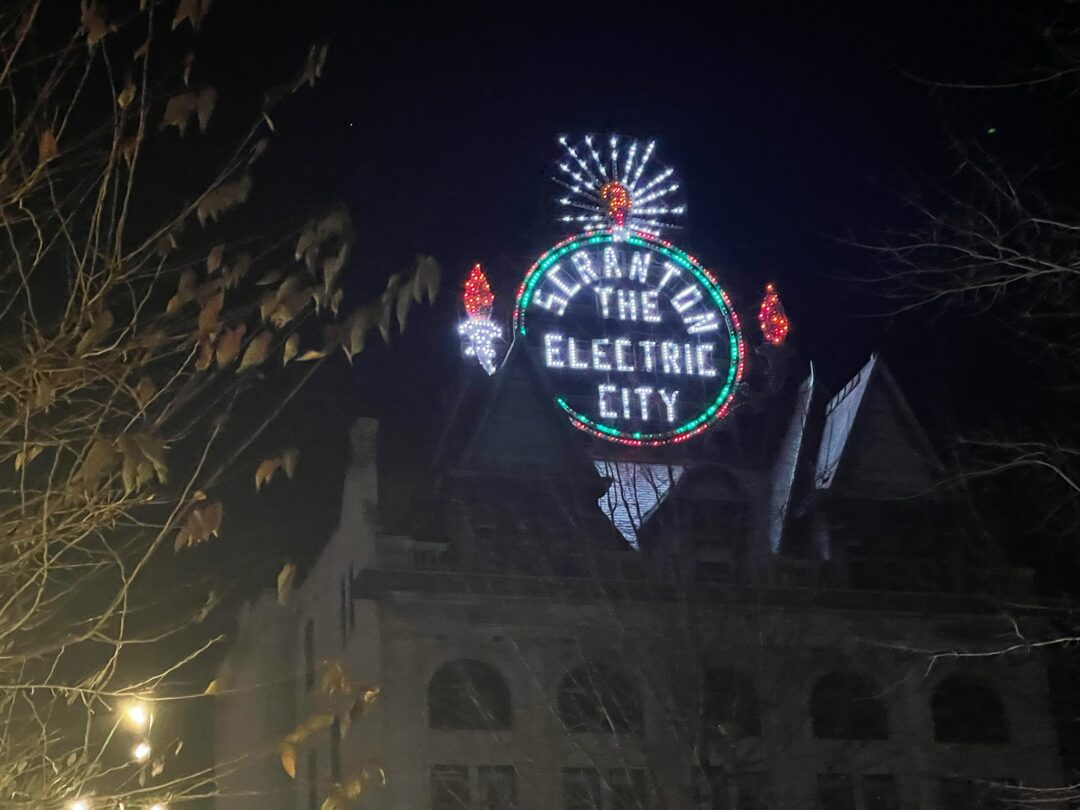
pixel 141 752
pixel 78 804
pixel 138 715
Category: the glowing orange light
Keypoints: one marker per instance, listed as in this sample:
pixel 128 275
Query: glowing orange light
pixel 617 197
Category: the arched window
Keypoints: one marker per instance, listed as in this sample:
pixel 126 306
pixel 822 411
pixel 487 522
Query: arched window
pixel 731 705
pixel 966 711
pixel 846 706
pixel 597 697
pixel 467 694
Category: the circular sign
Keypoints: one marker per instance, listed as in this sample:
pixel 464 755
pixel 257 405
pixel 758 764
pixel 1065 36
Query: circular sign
pixel 641 344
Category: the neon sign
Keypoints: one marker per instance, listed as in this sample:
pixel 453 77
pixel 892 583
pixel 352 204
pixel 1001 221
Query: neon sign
pixel 641 344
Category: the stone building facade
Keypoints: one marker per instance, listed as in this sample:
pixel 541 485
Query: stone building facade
pixel 798 617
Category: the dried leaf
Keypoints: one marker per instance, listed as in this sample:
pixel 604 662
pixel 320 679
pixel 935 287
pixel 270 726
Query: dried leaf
pixel 292 345
pixel 264 473
pixel 99 460
pixel 189 63
pixel 28 454
pixel 288 758
pixel 47 147
pixel 239 269
pixel 157 767
pixel 102 323
pixel 270 278
pixel 222 198
pixel 284 582
pixel 192 10
pixel 334 681
pixel 228 347
pixel 204 106
pixel 332 268
pixel 153 449
pixel 209 315
pixel 129 147
pixel 305 242
pixel 313 67
pixel 178 111
pixel 404 301
pixel 317 722
pixel 255 353
pixel 214 257
pixel 127 95
pixel 93 22
pixel 211 688
pixel 311 354
pixel 427 278
pixel 206 353
pixel 289 459
pixel 142 52
pixel 201 523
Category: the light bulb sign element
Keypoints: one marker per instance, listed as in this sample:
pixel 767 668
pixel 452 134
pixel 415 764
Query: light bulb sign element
pixel 640 343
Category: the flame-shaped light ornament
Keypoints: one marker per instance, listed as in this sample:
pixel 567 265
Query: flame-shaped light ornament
pixel 772 319
pixel 479 331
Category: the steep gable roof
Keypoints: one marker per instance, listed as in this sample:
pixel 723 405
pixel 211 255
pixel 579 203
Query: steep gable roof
pixel 871 443
pixel 520 430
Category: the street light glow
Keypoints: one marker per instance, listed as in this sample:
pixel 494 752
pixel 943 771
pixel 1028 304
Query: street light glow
pixel 137 714
pixel 78 804
pixel 141 752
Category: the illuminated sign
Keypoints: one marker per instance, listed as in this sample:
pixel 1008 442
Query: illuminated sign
pixel 640 343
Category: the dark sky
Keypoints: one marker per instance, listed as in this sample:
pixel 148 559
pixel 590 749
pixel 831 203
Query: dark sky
pixel 794 127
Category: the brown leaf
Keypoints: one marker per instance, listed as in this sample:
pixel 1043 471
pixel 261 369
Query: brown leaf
pixel 228 347
pixel 289 459
pixel 404 301
pixel 142 52
pixel 292 345
pixel 129 147
pixel 270 278
pixel 201 523
pixel 427 278
pixel 204 106
pixel 264 473
pixel 222 198
pixel 127 95
pixel 206 353
pixel 210 314
pixel 189 63
pixel 211 688
pixel 153 449
pixel 103 322
pixel 288 758
pixel 317 722
pixel 192 10
pixel 47 148
pixel 178 111
pixel 284 582
pixel 239 269
pixel 26 455
pixel 214 257
pixel 256 351
pixel 334 680
pixel 99 460
pixel 93 22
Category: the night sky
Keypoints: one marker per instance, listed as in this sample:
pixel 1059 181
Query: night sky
pixel 796 129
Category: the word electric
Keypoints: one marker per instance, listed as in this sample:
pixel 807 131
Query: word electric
pixel 639 343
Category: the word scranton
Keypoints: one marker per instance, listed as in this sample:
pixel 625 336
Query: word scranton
pixel 639 343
